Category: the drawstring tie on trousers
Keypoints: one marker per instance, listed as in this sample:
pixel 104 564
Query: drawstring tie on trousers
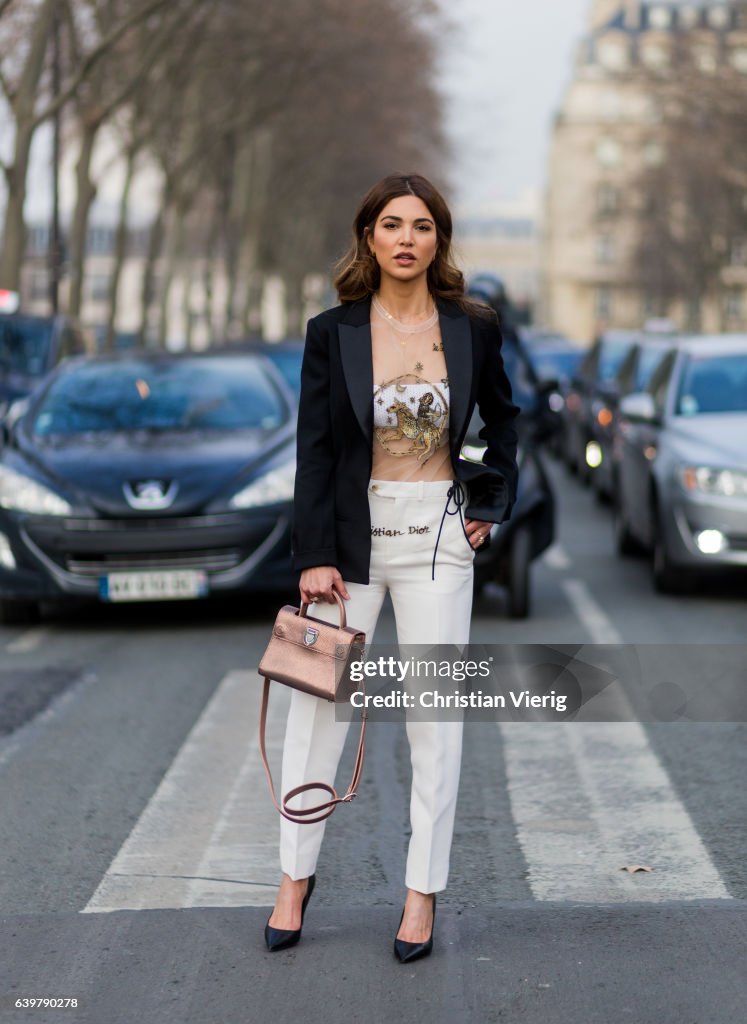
pixel 457 495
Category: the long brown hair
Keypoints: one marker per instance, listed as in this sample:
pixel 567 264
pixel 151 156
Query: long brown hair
pixel 357 274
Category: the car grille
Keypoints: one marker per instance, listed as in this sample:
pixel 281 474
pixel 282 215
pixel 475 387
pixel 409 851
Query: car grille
pixel 94 547
pixel 210 561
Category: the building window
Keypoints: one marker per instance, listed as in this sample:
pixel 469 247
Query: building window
pixel 605 249
pixel 613 55
pixel 718 17
pixel 706 59
pixel 39 286
pixel 733 304
pixel 100 241
pixel 608 199
pixel 38 240
pixel 654 55
pixel 660 17
pixel 739 59
pixel 603 302
pixel 608 152
pixel 98 287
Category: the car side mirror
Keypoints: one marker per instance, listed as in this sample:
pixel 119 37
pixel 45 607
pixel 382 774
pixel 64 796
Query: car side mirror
pixel 640 407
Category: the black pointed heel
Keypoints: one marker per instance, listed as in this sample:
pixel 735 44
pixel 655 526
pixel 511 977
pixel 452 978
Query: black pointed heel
pixel 283 938
pixel 406 952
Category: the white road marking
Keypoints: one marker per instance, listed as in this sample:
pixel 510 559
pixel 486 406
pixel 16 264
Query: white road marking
pixel 591 613
pixel 27 641
pixel 590 797
pixel 209 834
pixel 556 557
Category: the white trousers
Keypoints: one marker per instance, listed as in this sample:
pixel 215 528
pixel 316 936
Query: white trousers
pixel 405 518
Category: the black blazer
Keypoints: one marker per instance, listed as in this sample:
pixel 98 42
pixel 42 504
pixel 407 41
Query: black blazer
pixel 331 521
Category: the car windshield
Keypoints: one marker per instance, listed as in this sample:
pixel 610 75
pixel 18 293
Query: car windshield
pixel 713 384
pixel 611 356
pixel 219 393
pixel 553 363
pixel 24 345
pixel 648 360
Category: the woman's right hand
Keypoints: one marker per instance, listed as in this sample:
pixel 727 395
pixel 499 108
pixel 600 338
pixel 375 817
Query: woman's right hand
pixel 318 584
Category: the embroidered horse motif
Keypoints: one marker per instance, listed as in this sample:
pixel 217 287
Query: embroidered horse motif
pixel 422 428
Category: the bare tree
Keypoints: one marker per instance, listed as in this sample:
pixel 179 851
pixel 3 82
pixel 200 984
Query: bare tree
pixel 693 205
pixel 21 71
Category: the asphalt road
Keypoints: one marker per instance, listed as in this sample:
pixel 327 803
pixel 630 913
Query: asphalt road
pixel 139 845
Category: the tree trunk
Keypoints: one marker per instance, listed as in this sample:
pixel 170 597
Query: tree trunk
pixel 294 305
pixel 155 243
pixel 86 193
pixel 120 248
pixel 14 231
pixel 173 256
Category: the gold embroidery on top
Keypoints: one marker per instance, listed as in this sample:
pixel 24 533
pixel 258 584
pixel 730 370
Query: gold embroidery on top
pixel 424 429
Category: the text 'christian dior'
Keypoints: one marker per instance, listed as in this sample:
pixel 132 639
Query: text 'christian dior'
pixel 382 531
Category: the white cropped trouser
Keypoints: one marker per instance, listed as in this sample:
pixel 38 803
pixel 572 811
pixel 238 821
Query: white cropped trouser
pixel 405 519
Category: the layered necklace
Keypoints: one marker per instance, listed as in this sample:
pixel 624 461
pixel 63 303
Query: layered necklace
pixel 401 332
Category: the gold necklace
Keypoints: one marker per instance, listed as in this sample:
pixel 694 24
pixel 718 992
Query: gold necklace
pixel 402 328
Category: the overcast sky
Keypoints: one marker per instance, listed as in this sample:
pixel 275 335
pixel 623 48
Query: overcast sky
pixel 504 79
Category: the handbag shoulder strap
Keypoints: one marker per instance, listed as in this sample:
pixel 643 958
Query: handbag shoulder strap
pixel 323 810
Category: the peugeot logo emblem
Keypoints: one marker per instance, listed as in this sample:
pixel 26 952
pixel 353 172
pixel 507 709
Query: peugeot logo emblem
pixel 310 636
pixel 150 495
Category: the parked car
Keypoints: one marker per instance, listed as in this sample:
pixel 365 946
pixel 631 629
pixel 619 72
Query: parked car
pixel 531 529
pixel 682 481
pixel 597 368
pixel 634 373
pixel 30 346
pixel 286 356
pixel 145 477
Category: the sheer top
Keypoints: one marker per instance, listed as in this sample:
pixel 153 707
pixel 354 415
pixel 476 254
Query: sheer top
pixel 410 399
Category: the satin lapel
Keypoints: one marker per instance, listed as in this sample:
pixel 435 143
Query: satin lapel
pixel 456 336
pixel 357 365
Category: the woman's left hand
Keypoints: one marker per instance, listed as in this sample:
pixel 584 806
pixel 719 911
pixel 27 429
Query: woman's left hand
pixel 477 531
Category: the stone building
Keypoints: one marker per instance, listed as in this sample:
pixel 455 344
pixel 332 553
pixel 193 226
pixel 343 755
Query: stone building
pixel 606 132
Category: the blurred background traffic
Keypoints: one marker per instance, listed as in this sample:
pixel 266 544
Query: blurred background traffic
pixel 179 178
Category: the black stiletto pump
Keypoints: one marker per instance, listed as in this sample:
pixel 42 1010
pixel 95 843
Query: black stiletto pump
pixel 406 952
pixel 283 938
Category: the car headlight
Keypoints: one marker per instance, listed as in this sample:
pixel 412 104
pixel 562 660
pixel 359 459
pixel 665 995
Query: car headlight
pixel 23 494
pixel 708 480
pixel 274 487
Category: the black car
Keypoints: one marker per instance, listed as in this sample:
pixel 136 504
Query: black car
pixel 30 346
pixel 598 367
pixel 633 374
pixel 151 476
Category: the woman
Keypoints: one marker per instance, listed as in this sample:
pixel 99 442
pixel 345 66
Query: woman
pixel 389 381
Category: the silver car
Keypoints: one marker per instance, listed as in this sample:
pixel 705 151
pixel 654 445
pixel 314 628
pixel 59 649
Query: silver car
pixel 682 456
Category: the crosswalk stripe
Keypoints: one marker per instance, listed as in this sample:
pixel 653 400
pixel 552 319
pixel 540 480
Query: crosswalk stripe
pixel 27 641
pixel 591 613
pixel 556 557
pixel 589 798
pixel 208 836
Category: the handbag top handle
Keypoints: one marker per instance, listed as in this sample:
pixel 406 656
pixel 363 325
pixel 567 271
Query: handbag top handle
pixel 340 605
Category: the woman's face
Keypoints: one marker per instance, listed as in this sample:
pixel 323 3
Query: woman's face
pixel 404 239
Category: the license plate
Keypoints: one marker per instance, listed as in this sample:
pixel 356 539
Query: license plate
pixel 154 585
